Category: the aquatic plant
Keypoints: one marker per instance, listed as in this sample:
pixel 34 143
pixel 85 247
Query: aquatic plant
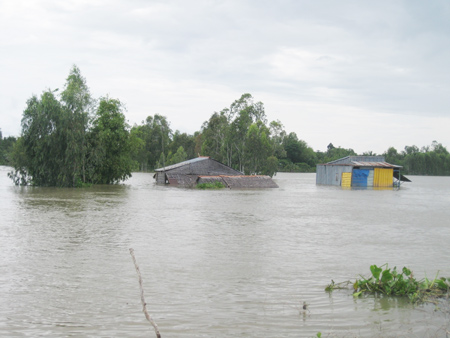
pixel 214 185
pixel 390 282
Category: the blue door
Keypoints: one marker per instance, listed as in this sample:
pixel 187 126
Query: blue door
pixel 359 177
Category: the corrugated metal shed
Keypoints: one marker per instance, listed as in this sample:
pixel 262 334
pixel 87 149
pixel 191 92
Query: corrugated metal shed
pixel 365 171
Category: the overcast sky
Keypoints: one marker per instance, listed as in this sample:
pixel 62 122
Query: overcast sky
pixel 359 74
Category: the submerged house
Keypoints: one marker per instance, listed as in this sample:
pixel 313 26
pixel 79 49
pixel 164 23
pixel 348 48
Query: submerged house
pixel 360 171
pixel 204 169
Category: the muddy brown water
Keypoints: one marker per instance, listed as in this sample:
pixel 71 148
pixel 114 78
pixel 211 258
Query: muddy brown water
pixel 228 263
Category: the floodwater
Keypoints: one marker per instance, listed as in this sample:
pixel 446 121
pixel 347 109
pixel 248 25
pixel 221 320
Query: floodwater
pixel 228 263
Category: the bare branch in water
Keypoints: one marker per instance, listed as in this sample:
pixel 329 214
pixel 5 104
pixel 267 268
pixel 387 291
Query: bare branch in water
pixel 144 304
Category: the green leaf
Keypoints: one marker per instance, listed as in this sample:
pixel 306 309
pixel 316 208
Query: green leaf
pixel 441 284
pixel 386 276
pixel 406 271
pixel 375 271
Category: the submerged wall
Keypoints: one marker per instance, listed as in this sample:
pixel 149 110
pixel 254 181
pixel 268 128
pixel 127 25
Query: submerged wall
pixel 331 175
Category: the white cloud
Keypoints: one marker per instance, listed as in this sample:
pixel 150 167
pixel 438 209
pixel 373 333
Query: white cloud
pixel 355 74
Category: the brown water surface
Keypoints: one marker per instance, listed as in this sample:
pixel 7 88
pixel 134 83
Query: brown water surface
pixel 228 263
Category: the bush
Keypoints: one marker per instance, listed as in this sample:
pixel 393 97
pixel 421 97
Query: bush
pixel 215 185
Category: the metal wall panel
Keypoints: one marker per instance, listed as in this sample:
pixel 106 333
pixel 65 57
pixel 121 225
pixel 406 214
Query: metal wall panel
pixel 383 177
pixel 370 178
pixel 331 175
pixel 346 180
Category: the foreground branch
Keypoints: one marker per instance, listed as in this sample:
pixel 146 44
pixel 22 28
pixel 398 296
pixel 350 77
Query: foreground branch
pixel 144 304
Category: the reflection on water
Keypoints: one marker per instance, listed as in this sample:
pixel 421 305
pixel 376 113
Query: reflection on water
pixel 216 263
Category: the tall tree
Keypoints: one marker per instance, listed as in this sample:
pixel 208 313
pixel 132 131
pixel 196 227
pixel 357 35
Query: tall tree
pixel 156 135
pixel 246 113
pixel 277 134
pixel 183 140
pixel 214 134
pixel 78 103
pixel 112 140
pixel 258 149
pixel 44 142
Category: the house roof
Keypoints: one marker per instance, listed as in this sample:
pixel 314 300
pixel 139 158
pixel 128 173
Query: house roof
pixel 177 165
pixel 364 161
pixel 206 169
pixel 199 166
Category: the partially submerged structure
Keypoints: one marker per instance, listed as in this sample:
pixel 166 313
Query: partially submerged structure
pixel 360 171
pixel 204 169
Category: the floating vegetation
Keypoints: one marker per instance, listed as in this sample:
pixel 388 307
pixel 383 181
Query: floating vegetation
pixel 214 185
pixel 390 282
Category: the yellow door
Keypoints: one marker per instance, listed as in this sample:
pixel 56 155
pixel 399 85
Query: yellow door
pixel 383 177
pixel 346 180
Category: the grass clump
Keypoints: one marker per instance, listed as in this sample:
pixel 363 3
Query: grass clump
pixel 214 185
pixel 391 282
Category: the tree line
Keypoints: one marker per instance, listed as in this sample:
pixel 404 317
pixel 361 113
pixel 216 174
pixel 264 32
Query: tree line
pixel 429 160
pixel 70 139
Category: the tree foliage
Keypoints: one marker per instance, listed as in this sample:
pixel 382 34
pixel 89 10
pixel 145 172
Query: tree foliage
pixel 429 160
pixel 58 145
pixel 73 140
pixel 6 149
pixel 179 156
pixel 155 135
pixel 111 142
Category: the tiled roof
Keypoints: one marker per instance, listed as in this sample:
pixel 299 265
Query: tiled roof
pixel 177 165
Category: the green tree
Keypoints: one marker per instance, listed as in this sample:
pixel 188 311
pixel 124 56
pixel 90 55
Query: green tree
pixel 429 160
pixel 44 142
pixel 278 134
pixel 112 143
pixel 438 148
pixel 138 152
pixel 78 104
pixel 333 153
pixel 298 151
pixel 392 156
pixel 246 113
pixel 258 148
pixel 54 135
pixel 6 149
pixel 238 136
pixel 409 150
pixel 179 156
pixel 155 135
pixel 19 159
pixel 183 140
pixel 271 166
pixel 215 138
